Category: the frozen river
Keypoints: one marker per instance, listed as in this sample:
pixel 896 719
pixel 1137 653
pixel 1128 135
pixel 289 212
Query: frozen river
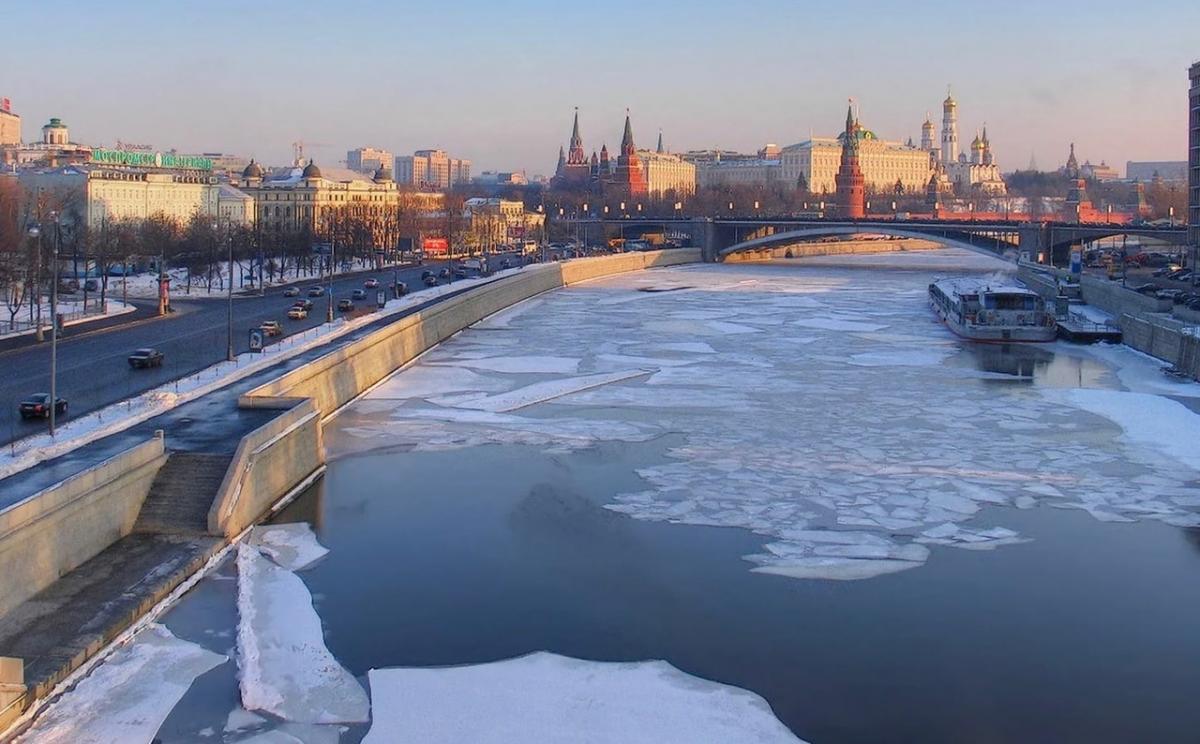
pixel 786 481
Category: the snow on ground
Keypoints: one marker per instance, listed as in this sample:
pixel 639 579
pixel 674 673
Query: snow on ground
pixel 553 699
pixel 127 698
pixel 852 447
pixel 71 316
pixel 78 431
pixel 291 546
pixel 145 285
pixel 285 668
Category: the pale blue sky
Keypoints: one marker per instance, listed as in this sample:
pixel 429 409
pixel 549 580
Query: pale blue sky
pixel 496 81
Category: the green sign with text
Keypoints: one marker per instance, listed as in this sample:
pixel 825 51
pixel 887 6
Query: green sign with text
pixel 150 159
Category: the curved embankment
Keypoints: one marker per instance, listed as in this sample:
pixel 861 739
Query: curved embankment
pixel 273 460
pixel 832 248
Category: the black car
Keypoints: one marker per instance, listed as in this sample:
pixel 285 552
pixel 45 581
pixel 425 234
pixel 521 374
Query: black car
pixel 344 304
pixel 306 303
pixel 38 406
pixel 460 272
pixel 143 358
pixel 400 289
pixel 358 294
pixel 444 274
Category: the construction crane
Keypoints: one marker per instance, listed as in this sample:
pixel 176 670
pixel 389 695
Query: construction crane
pixel 298 150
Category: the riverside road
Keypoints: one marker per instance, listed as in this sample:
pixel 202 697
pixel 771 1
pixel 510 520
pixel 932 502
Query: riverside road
pixel 92 367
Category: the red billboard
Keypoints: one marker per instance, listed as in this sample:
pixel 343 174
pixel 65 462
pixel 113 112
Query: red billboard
pixel 435 246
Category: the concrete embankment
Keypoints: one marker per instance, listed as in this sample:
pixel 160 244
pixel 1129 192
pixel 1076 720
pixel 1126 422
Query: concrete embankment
pixel 53 532
pixel 1151 325
pixel 833 248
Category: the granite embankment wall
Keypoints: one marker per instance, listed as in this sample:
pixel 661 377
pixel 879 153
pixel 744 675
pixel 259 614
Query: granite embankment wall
pixel 833 248
pixel 1150 325
pixel 274 459
pixel 58 529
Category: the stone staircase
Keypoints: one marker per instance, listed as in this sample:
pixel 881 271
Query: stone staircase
pixel 182 493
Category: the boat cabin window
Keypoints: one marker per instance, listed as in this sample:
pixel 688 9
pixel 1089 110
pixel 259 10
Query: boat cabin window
pixel 1010 302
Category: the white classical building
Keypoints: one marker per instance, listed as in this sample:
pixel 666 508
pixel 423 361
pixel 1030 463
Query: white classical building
pixel 884 164
pixel 100 193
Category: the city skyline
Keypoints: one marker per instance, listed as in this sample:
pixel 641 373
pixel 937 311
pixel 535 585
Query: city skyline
pixel 736 80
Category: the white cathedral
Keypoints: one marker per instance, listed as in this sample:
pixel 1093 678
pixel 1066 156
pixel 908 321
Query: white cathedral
pixel 955 172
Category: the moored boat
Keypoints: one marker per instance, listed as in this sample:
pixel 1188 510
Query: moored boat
pixel 990 310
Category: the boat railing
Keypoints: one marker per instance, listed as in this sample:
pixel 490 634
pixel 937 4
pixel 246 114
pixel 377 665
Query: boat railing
pixel 1084 323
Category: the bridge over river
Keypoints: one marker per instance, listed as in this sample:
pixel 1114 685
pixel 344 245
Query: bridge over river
pixel 720 236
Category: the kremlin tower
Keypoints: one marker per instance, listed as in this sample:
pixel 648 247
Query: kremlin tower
pixel 573 170
pixel 851 191
pixel 628 179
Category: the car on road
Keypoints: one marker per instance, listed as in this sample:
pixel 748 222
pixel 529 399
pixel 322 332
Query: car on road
pixel 505 263
pixel 297 312
pixel 291 292
pixel 429 278
pixel 371 283
pixel 358 294
pixel 444 273
pixel 38 406
pixel 316 291
pixel 400 289
pixel 145 358
pixel 345 304
pixel 271 328
pixel 305 303
pixel 460 272
pixel 1165 271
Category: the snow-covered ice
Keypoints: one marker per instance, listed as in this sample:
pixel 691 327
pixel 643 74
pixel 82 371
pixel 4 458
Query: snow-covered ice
pixel 1152 421
pixel 126 698
pixel 285 667
pixel 553 699
pixel 291 546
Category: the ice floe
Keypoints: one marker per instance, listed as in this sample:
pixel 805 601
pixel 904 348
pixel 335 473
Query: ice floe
pixel 292 546
pixel 522 364
pixel 285 668
pixel 126 698
pixel 553 699
pixel 540 392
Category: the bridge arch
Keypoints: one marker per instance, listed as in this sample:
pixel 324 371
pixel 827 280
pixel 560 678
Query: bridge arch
pixel 791 236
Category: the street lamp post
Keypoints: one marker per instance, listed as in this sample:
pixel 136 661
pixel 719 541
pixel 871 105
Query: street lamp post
pixel 229 306
pixel 332 260
pixel 35 232
pixel 54 328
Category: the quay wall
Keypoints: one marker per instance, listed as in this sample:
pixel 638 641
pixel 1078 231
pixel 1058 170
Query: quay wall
pixel 63 526
pixel 1151 325
pixel 269 462
pixel 832 248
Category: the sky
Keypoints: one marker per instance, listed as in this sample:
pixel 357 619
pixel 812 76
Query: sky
pixel 497 81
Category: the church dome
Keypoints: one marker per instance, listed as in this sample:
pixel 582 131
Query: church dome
pixel 253 170
pixel 311 171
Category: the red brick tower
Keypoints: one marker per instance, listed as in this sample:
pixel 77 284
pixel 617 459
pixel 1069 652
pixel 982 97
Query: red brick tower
pixel 851 191
pixel 629 178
